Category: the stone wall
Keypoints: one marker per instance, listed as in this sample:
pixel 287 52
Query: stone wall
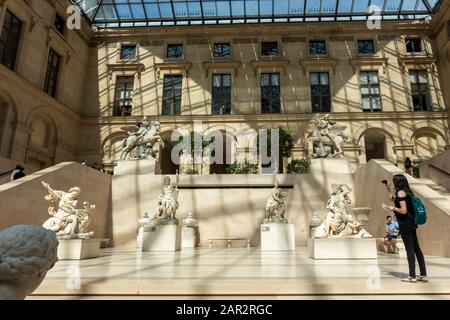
pixel 434 236
pixel 437 169
pixel 22 201
pixel 227 205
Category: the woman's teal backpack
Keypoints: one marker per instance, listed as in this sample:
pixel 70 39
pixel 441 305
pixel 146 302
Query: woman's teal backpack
pixel 420 213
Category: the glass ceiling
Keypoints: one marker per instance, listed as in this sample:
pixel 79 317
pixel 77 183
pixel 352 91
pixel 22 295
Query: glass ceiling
pixel 134 13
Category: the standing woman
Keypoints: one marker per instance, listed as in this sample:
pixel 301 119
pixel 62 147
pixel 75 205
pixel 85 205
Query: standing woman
pixel 404 212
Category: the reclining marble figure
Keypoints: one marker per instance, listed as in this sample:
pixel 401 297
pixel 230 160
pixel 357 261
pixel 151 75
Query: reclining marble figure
pixel 338 223
pixel 26 254
pixel 66 220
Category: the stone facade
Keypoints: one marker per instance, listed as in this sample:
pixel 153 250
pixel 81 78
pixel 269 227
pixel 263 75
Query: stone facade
pixel 39 130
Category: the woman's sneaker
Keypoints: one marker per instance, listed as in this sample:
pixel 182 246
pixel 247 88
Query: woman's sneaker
pixel 422 278
pixel 410 279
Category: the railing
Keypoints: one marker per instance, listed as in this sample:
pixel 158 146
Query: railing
pixel 439 169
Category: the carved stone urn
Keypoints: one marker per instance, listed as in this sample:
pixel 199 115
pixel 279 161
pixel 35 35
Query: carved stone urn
pixel 362 216
pixel 313 224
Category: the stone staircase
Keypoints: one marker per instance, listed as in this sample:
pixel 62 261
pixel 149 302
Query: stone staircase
pixel 436 187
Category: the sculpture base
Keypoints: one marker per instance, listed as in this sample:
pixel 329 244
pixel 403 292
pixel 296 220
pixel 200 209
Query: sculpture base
pixel 135 167
pixel 342 248
pixel 188 238
pixel 277 237
pixel 78 249
pixel 161 238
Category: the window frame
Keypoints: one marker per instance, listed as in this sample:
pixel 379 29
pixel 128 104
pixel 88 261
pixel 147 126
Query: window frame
pixel 223 95
pixel 169 45
pixel 317 54
pixel 120 109
pixel 174 98
pixel 365 53
pixel 321 94
pixel 420 41
pixel 370 87
pixel 7 44
pixel 426 95
pixel 221 44
pixel 50 75
pixel 121 56
pixel 264 43
pixel 55 27
pixel 271 88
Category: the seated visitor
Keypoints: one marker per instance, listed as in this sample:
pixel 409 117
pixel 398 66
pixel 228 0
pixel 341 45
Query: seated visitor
pixel 391 229
pixel 18 173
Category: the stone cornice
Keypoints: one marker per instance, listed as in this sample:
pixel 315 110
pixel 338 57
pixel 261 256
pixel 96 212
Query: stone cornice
pixel 314 64
pixel 272 64
pixel 126 67
pixel 285 30
pixel 269 118
pixel 362 62
pixel 221 64
pixel 179 65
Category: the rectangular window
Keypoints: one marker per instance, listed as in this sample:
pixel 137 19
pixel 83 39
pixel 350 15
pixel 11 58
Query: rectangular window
pixel 270 93
pixel 269 48
pixel 317 47
pixel 366 47
pixel 52 73
pixel 174 51
pixel 128 53
pixel 370 91
pixel 320 92
pixel 221 94
pixel 123 103
pixel 172 95
pixel 413 45
pixel 420 91
pixel 222 50
pixel 9 40
pixel 59 24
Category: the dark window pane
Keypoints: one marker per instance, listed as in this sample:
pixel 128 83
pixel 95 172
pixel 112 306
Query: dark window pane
pixel 370 91
pixel 413 45
pixel 128 53
pixel 320 92
pixel 420 91
pixel 174 51
pixel 317 47
pixel 123 103
pixel 52 73
pixel 222 50
pixel 221 94
pixel 270 93
pixel 366 47
pixel 172 94
pixel 269 48
pixel 9 40
pixel 59 24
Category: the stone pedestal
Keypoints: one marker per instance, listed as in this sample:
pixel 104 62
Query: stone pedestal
pixel 342 248
pixel 78 249
pixel 161 238
pixel 135 167
pixel 188 237
pixel 277 237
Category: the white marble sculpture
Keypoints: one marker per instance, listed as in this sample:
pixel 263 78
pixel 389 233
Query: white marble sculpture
pixel 66 220
pixel 190 221
pixel 276 205
pixel 327 137
pixel 313 224
pixel 26 254
pixel 338 223
pixel 167 204
pixel 143 141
